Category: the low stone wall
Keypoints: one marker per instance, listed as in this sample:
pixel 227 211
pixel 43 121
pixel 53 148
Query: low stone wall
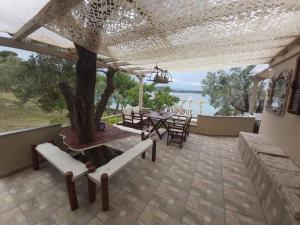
pixel 222 125
pixel 15 146
pixel 275 177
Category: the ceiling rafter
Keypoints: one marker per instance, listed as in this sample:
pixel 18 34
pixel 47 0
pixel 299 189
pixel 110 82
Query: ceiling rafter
pixel 61 53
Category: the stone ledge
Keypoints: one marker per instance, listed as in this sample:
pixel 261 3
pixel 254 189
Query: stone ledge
pixel 275 177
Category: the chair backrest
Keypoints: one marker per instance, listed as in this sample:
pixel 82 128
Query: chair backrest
pixel 179 124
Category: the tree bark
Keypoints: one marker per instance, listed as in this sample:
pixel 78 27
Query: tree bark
pixel 237 108
pixel 246 102
pixel 84 94
pixel 69 98
pixel 101 106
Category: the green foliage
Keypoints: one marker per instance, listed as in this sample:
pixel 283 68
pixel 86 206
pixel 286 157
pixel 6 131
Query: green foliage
pixel 36 79
pixel 9 66
pixel 112 119
pixel 153 98
pixel 123 82
pixel 6 54
pixel 100 87
pixel 229 91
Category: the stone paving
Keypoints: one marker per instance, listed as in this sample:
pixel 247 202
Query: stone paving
pixel 205 183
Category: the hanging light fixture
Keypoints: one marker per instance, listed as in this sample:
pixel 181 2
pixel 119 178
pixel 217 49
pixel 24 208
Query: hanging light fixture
pixel 160 76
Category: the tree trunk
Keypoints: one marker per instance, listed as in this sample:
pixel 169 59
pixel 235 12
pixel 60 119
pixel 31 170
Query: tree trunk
pixel 69 98
pixel 84 94
pixel 117 105
pixel 101 106
pixel 246 102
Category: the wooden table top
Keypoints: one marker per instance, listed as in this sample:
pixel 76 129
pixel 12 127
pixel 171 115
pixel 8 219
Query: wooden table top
pixel 160 116
pixel 70 137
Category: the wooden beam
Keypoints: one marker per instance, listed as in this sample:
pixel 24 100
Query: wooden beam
pixel 52 10
pixel 34 23
pixel 57 52
pixel 48 50
pixel 26 30
pixel 285 50
pixel 118 63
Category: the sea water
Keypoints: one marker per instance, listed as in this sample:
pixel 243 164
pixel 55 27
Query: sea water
pixel 207 109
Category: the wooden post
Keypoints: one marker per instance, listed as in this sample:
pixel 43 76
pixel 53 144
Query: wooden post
pixel 35 158
pixel 154 151
pixel 71 190
pixel 92 191
pixel 104 192
pixel 88 163
pixel 143 138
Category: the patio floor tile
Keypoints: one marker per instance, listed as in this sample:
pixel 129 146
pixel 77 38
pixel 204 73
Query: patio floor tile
pixel 204 183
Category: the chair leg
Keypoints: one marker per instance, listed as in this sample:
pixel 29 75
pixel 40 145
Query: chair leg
pixel 104 192
pixel 71 190
pixel 182 140
pixel 154 150
pixel 92 191
pixel 168 138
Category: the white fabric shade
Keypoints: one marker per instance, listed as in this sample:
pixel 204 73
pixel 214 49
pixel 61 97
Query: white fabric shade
pixel 181 35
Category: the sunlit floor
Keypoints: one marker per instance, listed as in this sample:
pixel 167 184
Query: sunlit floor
pixel 204 183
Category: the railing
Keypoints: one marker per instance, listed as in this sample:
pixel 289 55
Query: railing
pixel 180 108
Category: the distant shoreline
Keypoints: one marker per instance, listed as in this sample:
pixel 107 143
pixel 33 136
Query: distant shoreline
pixel 187 91
pixel 181 90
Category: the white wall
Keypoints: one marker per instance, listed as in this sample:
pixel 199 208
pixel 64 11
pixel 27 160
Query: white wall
pixel 283 131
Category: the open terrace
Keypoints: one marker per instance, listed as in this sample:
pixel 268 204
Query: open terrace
pixel 218 179
pixel 205 183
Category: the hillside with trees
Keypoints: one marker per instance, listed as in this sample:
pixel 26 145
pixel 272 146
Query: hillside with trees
pixel 231 91
pixel 42 81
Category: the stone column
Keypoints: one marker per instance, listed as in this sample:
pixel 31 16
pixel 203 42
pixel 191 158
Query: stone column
pixel 252 107
pixel 141 91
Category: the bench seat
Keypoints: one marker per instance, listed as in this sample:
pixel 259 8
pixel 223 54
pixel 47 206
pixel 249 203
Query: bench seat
pixel 117 163
pixel 71 168
pixel 103 173
pixel 61 160
pixel 133 130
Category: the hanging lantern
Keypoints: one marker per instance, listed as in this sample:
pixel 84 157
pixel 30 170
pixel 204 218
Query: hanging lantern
pixel 160 76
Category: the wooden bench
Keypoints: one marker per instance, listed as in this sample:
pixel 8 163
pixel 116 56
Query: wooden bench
pixel 71 168
pixel 102 174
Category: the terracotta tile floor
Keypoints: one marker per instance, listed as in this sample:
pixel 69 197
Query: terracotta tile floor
pixel 205 183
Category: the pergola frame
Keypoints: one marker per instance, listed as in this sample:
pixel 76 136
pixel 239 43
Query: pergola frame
pixel 19 41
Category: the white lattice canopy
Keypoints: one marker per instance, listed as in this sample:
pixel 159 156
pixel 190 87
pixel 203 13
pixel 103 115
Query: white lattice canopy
pixel 178 35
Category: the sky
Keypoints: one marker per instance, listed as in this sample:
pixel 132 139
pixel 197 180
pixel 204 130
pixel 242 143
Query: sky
pixel 182 80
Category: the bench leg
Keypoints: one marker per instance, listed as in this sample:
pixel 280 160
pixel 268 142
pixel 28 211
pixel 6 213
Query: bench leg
pixel 71 191
pixel 154 151
pixel 92 191
pixel 35 158
pixel 104 192
pixel 142 139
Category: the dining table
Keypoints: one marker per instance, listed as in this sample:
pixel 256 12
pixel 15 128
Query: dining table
pixel 158 120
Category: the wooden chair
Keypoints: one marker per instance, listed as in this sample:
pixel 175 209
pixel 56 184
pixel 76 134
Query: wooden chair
pixel 180 119
pixel 177 131
pixel 134 120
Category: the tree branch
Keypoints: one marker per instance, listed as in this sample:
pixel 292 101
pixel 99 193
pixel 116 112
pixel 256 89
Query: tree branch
pixel 236 107
pixel 69 98
pixel 101 106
